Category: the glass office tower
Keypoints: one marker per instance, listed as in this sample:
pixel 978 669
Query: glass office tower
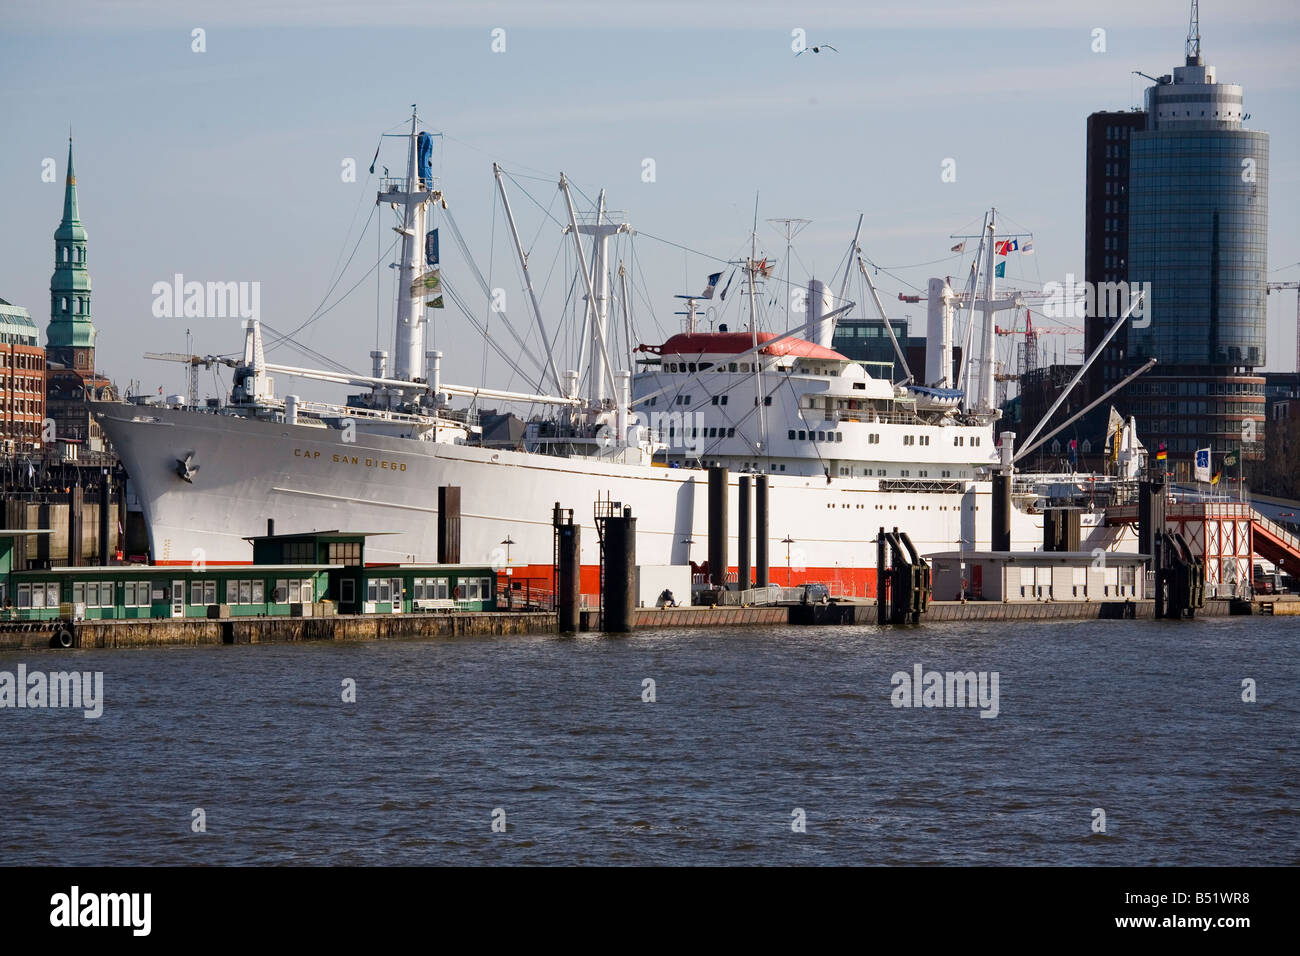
pixel 1198 233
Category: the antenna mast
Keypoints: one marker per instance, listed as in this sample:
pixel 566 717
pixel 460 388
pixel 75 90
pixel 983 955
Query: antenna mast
pixel 1194 36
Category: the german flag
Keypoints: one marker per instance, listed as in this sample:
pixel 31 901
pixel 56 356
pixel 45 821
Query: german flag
pixel 1217 475
pixel 1163 453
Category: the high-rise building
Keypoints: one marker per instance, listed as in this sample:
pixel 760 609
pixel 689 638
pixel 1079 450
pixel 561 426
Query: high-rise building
pixel 1105 254
pixel 22 380
pixel 1196 228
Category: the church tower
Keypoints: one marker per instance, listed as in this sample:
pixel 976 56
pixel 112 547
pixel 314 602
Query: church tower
pixel 70 337
pixel 71 382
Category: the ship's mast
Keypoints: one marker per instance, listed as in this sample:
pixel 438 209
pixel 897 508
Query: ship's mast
pixel 408 362
pixel 761 442
pixel 603 384
pixel 602 379
pixel 986 396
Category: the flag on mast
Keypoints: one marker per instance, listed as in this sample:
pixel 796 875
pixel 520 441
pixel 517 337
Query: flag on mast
pixel 1114 433
pixel 960 247
pixel 427 283
pixel 727 287
pixel 1001 270
pixel 713 284
pixel 1202 464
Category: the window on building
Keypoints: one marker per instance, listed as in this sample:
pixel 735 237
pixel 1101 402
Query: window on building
pixel 298 552
pixel 345 552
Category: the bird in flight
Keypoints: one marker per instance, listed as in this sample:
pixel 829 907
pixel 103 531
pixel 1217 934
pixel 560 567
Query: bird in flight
pixel 817 49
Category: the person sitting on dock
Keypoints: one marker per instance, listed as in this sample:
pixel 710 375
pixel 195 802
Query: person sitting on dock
pixel 666 599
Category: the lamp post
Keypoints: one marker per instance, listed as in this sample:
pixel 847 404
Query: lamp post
pixel 787 541
pixel 510 598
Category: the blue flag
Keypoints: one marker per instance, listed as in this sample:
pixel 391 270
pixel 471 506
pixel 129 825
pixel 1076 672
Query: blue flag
pixel 1202 464
pixel 425 158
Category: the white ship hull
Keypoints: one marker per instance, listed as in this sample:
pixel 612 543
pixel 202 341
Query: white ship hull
pixel 308 478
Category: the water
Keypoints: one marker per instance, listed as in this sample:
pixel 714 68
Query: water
pixel 1142 720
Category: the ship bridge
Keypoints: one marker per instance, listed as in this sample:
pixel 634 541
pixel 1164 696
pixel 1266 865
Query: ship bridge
pixel 721 344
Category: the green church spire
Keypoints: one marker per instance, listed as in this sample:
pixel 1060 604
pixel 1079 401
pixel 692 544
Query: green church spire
pixel 70 328
pixel 70 194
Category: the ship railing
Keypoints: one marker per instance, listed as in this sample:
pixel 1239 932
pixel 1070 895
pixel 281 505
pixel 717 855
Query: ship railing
pixel 367 414
pixel 701 579
pixel 866 416
pixel 528 597
pixel 772 594
pixel 1279 532
pixel 953 486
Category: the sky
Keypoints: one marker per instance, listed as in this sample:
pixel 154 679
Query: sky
pixel 226 164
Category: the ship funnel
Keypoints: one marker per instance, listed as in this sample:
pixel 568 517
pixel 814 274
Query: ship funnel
pixel 821 330
pixel 433 359
pixel 938 334
pixel 1008 449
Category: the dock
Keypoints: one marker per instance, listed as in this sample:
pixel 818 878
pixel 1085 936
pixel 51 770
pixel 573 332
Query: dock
pixel 191 632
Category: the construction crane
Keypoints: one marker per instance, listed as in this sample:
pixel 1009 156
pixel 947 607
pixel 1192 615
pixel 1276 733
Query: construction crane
pixel 193 361
pixel 1028 349
pixel 1278 287
pixel 1028 358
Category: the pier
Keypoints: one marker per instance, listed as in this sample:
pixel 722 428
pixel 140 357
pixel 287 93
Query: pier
pixel 192 632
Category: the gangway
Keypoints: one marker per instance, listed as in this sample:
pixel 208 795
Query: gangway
pixel 1227 535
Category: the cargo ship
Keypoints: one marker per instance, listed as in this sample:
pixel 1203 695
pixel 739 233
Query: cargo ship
pixel 844 451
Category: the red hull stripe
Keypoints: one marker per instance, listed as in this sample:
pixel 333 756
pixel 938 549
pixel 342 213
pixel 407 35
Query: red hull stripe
pixel 846 582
